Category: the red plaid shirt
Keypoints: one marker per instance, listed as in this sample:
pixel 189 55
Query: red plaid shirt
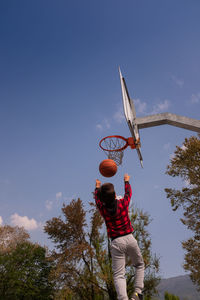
pixel 118 224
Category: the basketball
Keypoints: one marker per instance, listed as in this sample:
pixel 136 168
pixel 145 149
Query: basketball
pixel 108 168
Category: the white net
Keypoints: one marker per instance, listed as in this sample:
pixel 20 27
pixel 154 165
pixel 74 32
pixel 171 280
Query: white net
pixel 116 156
pixel 112 144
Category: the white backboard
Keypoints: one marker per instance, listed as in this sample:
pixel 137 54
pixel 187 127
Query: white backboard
pixel 130 115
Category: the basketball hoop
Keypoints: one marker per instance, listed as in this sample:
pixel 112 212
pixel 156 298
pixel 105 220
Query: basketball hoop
pixel 114 146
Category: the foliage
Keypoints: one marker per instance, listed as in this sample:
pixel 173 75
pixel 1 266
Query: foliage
pixel 170 296
pixel 186 165
pixel 82 254
pixel 10 237
pixel 24 273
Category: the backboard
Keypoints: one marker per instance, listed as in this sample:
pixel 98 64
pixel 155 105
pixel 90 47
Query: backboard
pixel 130 115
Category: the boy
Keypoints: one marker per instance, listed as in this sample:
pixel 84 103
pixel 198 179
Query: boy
pixel 119 228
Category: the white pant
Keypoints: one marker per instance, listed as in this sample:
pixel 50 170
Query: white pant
pixel 120 248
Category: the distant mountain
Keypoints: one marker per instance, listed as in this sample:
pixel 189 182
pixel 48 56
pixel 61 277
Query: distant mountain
pixel 181 286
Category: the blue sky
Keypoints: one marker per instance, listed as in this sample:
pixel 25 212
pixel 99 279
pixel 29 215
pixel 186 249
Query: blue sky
pixel 60 94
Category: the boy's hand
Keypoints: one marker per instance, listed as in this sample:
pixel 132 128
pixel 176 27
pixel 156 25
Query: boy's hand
pixel 126 177
pixel 98 183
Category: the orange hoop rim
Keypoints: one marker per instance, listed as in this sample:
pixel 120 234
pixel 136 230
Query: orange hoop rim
pixel 116 149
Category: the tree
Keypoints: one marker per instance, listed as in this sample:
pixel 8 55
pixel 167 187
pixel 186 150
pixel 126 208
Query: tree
pixel 170 296
pixel 10 237
pixel 24 273
pixel 82 254
pixel 75 266
pixel 186 165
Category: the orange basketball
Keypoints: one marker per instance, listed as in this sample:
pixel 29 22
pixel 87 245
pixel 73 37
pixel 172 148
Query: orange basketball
pixel 108 168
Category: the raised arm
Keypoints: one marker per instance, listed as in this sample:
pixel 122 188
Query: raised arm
pixel 128 190
pixel 126 177
pixel 98 183
pixel 96 193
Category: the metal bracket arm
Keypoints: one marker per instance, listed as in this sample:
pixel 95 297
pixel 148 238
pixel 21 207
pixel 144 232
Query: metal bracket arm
pixel 170 119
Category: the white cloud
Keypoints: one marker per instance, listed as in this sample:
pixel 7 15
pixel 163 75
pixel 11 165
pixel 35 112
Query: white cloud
pixel 156 187
pixel 99 127
pixel 178 81
pixel 24 221
pixel 141 109
pixel 1 221
pixel 105 124
pixel 119 115
pixel 195 98
pixel 167 146
pixel 140 106
pixel 49 204
pixel 161 107
pixel 58 195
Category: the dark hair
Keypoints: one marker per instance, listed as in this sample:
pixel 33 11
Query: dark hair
pixel 107 193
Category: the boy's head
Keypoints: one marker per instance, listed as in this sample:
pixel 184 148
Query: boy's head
pixel 107 193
